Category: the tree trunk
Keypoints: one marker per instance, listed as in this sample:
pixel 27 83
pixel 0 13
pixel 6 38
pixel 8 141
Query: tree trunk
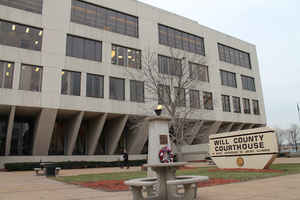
pixel 180 157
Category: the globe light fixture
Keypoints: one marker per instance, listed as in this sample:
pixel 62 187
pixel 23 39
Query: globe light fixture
pixel 158 110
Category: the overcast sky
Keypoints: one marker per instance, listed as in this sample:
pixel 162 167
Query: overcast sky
pixel 274 27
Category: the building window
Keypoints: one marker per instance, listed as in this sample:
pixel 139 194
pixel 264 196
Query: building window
pixel 248 83
pixel 164 94
pixel 226 103
pixel 208 100
pixel 198 72
pixel 104 18
pixel 94 86
pixel 180 96
pixel 84 48
pixel 195 99
pixel 169 66
pixel 117 88
pixel 256 110
pixel 246 105
pixel 236 104
pixel 228 78
pixel 137 91
pixel 71 83
pixel 35 6
pixel 3 133
pixel 234 56
pixel 20 36
pixel 126 57
pixel 6 74
pixel 178 39
pixel 31 78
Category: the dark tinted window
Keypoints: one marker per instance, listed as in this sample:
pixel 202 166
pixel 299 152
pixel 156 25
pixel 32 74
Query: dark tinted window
pixel 31 78
pixel 164 94
pixel 170 66
pixel 137 91
pixel 179 96
pixel 248 83
pixel 6 74
pixel 20 36
pixel 126 56
pixel 236 104
pixel 226 103
pixel 117 88
pixel 195 99
pixel 256 110
pixel 94 86
pixel 35 6
pixel 180 40
pixel 104 18
pixel 246 105
pixel 199 72
pixel 228 78
pixel 208 100
pixel 84 48
pixel 71 83
pixel 234 56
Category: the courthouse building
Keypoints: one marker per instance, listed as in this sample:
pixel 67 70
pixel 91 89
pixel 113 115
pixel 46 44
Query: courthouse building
pixel 64 86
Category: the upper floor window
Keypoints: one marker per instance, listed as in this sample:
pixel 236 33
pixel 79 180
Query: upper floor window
pixel 234 56
pixel 104 18
pixel 137 91
pixel 35 6
pixel 164 94
pixel 126 56
pixel 117 88
pixel 195 99
pixel 246 105
pixel 20 36
pixel 94 86
pixel 71 83
pixel 199 72
pixel 180 96
pixel 248 83
pixel 226 103
pixel 170 66
pixel 236 104
pixel 84 48
pixel 256 110
pixel 208 100
pixel 228 78
pixel 181 40
pixel 6 74
pixel 31 78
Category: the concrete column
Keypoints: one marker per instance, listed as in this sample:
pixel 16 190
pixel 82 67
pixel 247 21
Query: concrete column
pixel 113 131
pixel 229 127
pixel 203 136
pixel 251 126
pixel 10 130
pixel 72 129
pixel 43 131
pixel 138 138
pixel 193 131
pixel 95 129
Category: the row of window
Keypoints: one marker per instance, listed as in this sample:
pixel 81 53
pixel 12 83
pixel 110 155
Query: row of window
pixel 20 36
pixel 237 105
pixel 234 56
pixel 181 40
pixel 104 18
pixel 229 79
pixel 35 6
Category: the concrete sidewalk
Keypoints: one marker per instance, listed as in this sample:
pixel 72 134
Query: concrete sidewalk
pixel 27 186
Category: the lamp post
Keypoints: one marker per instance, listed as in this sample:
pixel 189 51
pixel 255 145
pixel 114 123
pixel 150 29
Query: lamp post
pixel 158 110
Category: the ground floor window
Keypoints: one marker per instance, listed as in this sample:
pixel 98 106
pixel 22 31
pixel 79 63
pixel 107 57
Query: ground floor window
pixel 22 138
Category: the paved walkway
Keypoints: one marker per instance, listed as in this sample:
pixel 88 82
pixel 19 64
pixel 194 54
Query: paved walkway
pixel 27 186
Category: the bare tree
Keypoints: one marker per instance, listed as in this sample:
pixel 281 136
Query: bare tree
pixel 282 136
pixel 294 135
pixel 168 81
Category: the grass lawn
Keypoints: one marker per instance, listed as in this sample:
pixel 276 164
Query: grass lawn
pixel 203 171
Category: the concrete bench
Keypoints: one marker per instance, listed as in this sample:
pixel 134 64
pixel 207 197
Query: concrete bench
pixel 140 185
pixel 189 184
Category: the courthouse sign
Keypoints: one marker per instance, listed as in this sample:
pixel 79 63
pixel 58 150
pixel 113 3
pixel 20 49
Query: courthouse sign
pixel 253 148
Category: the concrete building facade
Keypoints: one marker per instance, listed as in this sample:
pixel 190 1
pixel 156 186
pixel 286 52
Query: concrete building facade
pixel 63 91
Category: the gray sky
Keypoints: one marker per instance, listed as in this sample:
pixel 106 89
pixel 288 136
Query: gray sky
pixel 274 27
